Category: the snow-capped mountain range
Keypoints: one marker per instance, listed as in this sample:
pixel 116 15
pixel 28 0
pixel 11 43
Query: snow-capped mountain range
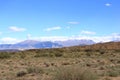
pixel 33 44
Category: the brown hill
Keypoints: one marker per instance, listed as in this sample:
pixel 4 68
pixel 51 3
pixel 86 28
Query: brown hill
pixel 106 46
pixel 115 46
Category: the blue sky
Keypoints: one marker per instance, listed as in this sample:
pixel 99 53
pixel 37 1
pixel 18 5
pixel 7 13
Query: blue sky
pixel 98 20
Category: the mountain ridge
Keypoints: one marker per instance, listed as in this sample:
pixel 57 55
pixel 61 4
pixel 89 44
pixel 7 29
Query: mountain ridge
pixel 33 44
pixel 30 44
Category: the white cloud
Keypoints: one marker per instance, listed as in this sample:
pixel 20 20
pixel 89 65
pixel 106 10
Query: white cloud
pixel 16 29
pixel 88 32
pixel 64 38
pixel 101 38
pixel 111 37
pixel 94 38
pixel 108 4
pixel 54 38
pixel 53 28
pixel 8 40
pixel 116 36
pixel 73 22
pixel 51 38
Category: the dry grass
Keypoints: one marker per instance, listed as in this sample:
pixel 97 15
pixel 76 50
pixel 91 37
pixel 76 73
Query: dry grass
pixel 56 64
pixel 75 73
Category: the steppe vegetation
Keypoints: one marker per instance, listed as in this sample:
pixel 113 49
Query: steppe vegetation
pixel 93 62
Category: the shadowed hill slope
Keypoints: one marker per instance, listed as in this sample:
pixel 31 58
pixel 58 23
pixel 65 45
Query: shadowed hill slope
pixel 108 45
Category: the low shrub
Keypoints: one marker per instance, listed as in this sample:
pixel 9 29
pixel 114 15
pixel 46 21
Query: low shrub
pixel 21 73
pixel 35 70
pixel 75 73
pixel 4 55
pixel 48 54
pixel 22 55
pixel 113 73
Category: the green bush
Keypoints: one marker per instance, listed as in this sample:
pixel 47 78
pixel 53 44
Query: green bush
pixel 4 55
pixel 48 54
pixel 102 51
pixel 58 54
pixel 75 73
pixel 22 55
pixel 113 73
pixel 88 50
pixel 34 70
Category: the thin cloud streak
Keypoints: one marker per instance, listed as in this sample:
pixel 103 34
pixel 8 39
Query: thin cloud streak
pixel 53 28
pixel 111 37
pixel 108 4
pixel 64 38
pixel 73 22
pixel 16 29
pixel 87 32
pixel 8 40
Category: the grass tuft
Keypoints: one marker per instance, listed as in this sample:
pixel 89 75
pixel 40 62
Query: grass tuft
pixel 4 55
pixel 35 70
pixel 75 73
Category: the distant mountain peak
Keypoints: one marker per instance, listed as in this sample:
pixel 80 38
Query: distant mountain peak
pixel 76 42
pixel 30 44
